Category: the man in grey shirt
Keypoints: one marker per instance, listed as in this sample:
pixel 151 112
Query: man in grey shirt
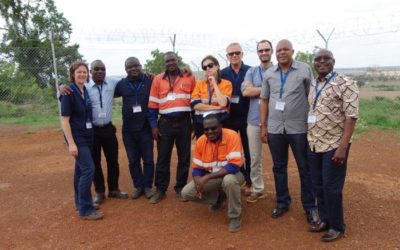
pixel 284 101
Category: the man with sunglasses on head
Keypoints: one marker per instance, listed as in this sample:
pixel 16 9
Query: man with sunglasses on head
pixel 283 119
pixel 251 87
pixel 239 106
pixel 216 172
pixel 101 93
pixel 170 96
pixel 334 102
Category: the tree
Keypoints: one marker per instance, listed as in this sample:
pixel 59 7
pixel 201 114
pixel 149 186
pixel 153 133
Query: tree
pixel 156 65
pixel 26 40
pixel 307 57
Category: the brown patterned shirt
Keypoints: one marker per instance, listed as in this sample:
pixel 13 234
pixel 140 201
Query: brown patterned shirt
pixel 338 100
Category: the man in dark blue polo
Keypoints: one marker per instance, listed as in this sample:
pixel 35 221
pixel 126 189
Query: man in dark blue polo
pixel 239 108
pixel 136 130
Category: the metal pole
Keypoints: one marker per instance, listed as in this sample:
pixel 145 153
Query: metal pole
pixel 326 40
pixel 55 73
pixel 173 42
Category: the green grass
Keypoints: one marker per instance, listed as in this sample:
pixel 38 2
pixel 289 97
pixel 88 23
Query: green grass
pixel 380 113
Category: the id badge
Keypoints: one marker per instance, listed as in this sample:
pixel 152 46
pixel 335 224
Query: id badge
pixel 280 106
pixel 235 99
pixel 170 97
pixel 88 125
pixel 312 119
pixel 137 109
pixel 102 115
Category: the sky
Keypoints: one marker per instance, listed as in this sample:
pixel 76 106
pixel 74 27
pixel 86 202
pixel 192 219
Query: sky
pixel 365 32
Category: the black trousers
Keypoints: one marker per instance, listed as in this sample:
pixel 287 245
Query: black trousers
pixel 241 128
pixel 178 132
pixel 106 139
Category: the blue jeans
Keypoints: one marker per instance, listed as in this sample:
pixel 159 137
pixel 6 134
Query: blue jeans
pixel 83 177
pixel 279 147
pixel 139 145
pixel 328 180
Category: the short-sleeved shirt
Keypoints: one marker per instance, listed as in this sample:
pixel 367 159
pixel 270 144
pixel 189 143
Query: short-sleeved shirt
pixel 338 100
pixel 293 119
pixel 255 75
pixel 73 105
pixel 104 104
pixel 201 94
pixel 134 95
pixel 238 111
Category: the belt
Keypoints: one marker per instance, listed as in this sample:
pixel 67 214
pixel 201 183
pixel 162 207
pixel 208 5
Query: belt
pixel 103 126
pixel 175 119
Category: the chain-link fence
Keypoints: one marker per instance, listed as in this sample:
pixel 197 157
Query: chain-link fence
pixel 28 92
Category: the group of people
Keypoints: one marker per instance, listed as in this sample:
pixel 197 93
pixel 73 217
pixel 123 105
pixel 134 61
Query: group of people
pixel 232 111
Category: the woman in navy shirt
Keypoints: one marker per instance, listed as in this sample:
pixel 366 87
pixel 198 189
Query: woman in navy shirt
pixel 76 119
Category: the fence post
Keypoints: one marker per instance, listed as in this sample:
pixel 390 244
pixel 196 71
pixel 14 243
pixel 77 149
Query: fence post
pixel 55 73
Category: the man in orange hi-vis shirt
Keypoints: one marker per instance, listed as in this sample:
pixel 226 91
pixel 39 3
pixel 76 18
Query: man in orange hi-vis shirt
pixel 170 96
pixel 217 162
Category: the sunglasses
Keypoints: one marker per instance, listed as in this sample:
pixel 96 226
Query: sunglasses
pixel 237 53
pixel 99 69
pixel 324 58
pixel 208 66
pixel 263 50
pixel 211 128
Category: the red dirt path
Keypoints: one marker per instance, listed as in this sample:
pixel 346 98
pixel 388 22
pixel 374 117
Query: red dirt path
pixel 36 204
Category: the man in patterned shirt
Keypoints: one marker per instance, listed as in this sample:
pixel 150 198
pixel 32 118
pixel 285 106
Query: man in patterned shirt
pixel 332 116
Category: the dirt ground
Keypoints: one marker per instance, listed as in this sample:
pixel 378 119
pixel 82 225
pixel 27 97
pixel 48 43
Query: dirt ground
pixel 36 204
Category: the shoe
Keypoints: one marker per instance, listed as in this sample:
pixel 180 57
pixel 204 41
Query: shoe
pixel 235 224
pixel 312 217
pixel 99 199
pixel 157 197
pixel 332 235
pixel 220 201
pixel 96 215
pixel 118 195
pixel 254 196
pixel 96 206
pixel 319 227
pixel 279 211
pixel 137 193
pixel 148 193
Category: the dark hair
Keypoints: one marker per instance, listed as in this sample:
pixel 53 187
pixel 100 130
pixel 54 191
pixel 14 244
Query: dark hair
pixel 74 66
pixel 211 117
pixel 265 41
pixel 215 61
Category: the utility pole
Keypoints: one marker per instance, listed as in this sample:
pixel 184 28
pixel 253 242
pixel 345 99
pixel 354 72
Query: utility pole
pixel 223 58
pixel 326 40
pixel 173 42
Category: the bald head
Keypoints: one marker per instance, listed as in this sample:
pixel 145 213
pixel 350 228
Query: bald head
pixel 133 68
pixel 324 62
pixel 98 71
pixel 284 53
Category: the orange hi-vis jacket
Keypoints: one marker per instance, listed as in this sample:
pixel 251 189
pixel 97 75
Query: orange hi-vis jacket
pixel 210 157
pixel 202 92
pixel 169 100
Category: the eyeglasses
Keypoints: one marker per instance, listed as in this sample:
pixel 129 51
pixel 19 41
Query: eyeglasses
pixel 211 128
pixel 237 53
pixel 208 66
pixel 99 69
pixel 263 50
pixel 324 58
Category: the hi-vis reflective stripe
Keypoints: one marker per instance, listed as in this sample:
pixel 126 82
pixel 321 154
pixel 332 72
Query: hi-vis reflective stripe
pixel 175 109
pixel 195 99
pixel 214 164
pixel 164 100
pixel 206 100
pixel 233 155
pixel 201 112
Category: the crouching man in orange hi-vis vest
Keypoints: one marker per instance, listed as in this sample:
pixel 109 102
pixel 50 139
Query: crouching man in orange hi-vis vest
pixel 217 162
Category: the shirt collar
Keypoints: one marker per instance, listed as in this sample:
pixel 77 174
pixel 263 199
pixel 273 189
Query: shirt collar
pixel 326 77
pixel 295 65
pixel 91 83
pixel 166 74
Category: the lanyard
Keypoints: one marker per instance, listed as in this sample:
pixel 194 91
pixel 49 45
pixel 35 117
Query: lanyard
pixel 210 93
pixel 260 73
pixel 318 92
pixel 85 97
pixel 136 87
pixel 283 81
pixel 100 89
pixel 235 79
